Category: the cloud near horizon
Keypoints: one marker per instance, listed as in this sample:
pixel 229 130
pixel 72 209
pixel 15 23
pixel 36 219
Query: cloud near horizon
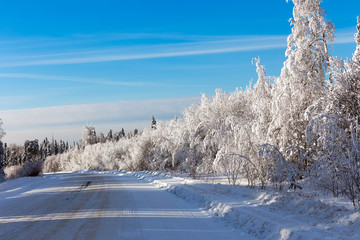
pixel 65 122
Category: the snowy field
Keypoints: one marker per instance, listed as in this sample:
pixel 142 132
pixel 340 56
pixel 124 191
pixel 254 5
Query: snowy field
pixel 158 205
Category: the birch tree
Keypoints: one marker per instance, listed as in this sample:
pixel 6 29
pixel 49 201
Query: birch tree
pixel 302 81
pixel 356 56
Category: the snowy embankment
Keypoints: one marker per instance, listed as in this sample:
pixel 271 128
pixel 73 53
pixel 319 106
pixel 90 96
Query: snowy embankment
pixel 265 214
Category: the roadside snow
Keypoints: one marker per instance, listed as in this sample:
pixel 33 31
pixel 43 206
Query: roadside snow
pixel 265 214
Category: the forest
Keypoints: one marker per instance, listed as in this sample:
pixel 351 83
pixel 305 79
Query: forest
pixel 290 131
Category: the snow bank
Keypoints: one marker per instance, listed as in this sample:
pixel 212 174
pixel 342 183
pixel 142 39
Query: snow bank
pixel 263 214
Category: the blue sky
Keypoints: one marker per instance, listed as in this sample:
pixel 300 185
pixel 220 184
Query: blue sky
pixel 76 53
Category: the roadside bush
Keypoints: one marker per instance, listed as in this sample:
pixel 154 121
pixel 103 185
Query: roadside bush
pixel 12 172
pixel 232 165
pixel 29 169
pixel 32 168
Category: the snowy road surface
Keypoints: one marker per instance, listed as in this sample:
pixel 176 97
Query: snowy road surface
pixel 100 206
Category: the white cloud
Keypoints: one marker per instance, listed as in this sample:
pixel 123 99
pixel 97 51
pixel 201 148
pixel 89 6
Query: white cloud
pixel 344 36
pixel 65 122
pixel 186 45
pixel 70 79
pixel 197 46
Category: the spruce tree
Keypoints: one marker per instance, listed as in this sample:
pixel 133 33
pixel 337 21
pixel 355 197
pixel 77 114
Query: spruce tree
pixel 2 174
pixel 153 123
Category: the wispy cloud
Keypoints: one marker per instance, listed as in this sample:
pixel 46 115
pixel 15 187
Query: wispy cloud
pixel 186 46
pixel 108 58
pixel 344 36
pixel 65 122
pixel 111 47
pixel 70 79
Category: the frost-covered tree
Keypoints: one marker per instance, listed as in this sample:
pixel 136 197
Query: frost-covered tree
pixel 261 104
pixel 2 133
pixel 88 135
pixel 307 49
pixel 334 133
pixel 14 155
pixel 100 138
pixel 343 99
pixel 31 150
pixel 122 133
pixel 109 136
pixel 2 152
pixel 302 82
pixel 356 56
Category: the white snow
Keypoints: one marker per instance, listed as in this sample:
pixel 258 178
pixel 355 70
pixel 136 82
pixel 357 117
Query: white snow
pixel 137 205
pixel 101 206
pixel 265 214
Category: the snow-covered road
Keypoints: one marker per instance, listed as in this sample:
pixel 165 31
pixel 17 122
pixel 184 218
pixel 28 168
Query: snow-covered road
pixel 101 206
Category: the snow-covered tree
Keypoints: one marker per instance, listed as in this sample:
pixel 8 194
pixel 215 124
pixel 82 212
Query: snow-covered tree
pixel 2 133
pixel 109 136
pixel 302 82
pixel 356 56
pixel 100 138
pixel 261 104
pixel 2 152
pixel 307 49
pixel 88 135
pixel 343 99
pixel 31 150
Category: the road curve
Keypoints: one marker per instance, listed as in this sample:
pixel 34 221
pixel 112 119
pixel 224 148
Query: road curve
pixel 101 206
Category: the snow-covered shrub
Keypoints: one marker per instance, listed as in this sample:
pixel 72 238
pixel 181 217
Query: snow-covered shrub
pixel 52 164
pixel 232 165
pixel 31 168
pixel 274 167
pixel 12 172
pixel 145 145
pixel 189 161
pixel 328 139
pixel 337 144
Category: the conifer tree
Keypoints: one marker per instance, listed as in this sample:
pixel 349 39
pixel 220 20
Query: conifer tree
pixel 153 123
pixel 2 133
pixel 2 174
pixel 109 136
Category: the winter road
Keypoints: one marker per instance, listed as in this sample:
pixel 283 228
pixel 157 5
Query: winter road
pixel 101 206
